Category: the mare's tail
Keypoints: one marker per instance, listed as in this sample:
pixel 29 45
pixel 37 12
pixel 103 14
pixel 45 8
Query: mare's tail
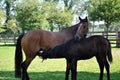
pixel 110 59
pixel 18 57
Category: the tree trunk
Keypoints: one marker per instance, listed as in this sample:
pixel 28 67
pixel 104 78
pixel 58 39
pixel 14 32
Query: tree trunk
pixel 59 27
pixel 107 28
pixel 7 11
pixel 51 27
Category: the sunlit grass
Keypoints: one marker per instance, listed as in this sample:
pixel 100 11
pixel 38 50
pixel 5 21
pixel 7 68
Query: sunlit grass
pixel 54 69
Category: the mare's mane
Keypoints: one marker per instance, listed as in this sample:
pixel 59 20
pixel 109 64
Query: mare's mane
pixel 73 27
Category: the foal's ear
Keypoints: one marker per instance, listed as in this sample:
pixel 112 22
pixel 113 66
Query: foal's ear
pixel 80 18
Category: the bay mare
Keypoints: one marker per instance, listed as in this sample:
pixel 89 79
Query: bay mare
pixel 86 48
pixel 36 39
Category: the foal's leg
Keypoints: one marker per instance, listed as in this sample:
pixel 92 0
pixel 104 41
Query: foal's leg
pixel 68 70
pixel 74 69
pixel 101 66
pixel 25 65
pixel 107 69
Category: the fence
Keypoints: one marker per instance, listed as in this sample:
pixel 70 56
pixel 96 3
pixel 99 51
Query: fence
pixel 8 39
pixel 114 37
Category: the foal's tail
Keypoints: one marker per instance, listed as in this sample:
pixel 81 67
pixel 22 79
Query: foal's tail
pixel 18 57
pixel 110 59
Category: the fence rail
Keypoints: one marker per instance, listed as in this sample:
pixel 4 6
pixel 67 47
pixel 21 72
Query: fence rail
pixel 7 39
pixel 114 37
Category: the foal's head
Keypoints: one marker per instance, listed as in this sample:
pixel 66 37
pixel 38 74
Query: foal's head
pixel 82 29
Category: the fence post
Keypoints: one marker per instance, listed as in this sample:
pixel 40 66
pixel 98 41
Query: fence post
pixel 104 33
pixel 14 37
pixel 5 37
pixel 118 39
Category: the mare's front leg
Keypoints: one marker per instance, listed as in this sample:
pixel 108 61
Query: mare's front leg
pixel 68 66
pixel 74 69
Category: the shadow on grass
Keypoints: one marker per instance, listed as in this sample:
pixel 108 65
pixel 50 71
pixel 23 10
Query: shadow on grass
pixel 57 75
pixel 2 45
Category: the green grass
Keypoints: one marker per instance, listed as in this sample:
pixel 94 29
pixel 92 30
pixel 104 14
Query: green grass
pixel 54 69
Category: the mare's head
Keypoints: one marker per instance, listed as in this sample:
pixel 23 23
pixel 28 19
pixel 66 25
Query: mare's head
pixel 82 29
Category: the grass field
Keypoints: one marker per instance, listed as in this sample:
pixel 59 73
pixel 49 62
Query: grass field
pixel 54 69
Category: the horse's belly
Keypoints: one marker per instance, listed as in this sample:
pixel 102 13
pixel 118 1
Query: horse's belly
pixel 86 56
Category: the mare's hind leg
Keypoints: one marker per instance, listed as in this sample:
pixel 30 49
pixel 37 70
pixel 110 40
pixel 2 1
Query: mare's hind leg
pixel 107 68
pixel 101 66
pixel 25 65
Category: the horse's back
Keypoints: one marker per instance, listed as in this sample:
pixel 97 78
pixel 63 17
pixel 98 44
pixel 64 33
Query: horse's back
pixel 100 39
pixel 93 44
pixel 102 44
pixel 36 39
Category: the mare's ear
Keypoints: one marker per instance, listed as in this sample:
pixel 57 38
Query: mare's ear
pixel 86 18
pixel 80 18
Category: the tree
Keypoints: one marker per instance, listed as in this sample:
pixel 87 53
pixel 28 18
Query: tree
pixel 27 14
pixel 2 16
pixel 12 27
pixel 31 14
pixel 7 8
pixel 56 16
pixel 104 10
pixel 78 6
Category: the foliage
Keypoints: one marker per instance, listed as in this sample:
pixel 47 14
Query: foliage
pixel 27 14
pixel 1 19
pixel 105 10
pixel 33 15
pixel 115 26
pixel 78 6
pixel 11 26
pixel 7 8
pixel 56 16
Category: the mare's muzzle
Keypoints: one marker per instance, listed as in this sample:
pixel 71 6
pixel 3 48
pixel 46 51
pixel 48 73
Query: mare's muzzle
pixel 79 36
